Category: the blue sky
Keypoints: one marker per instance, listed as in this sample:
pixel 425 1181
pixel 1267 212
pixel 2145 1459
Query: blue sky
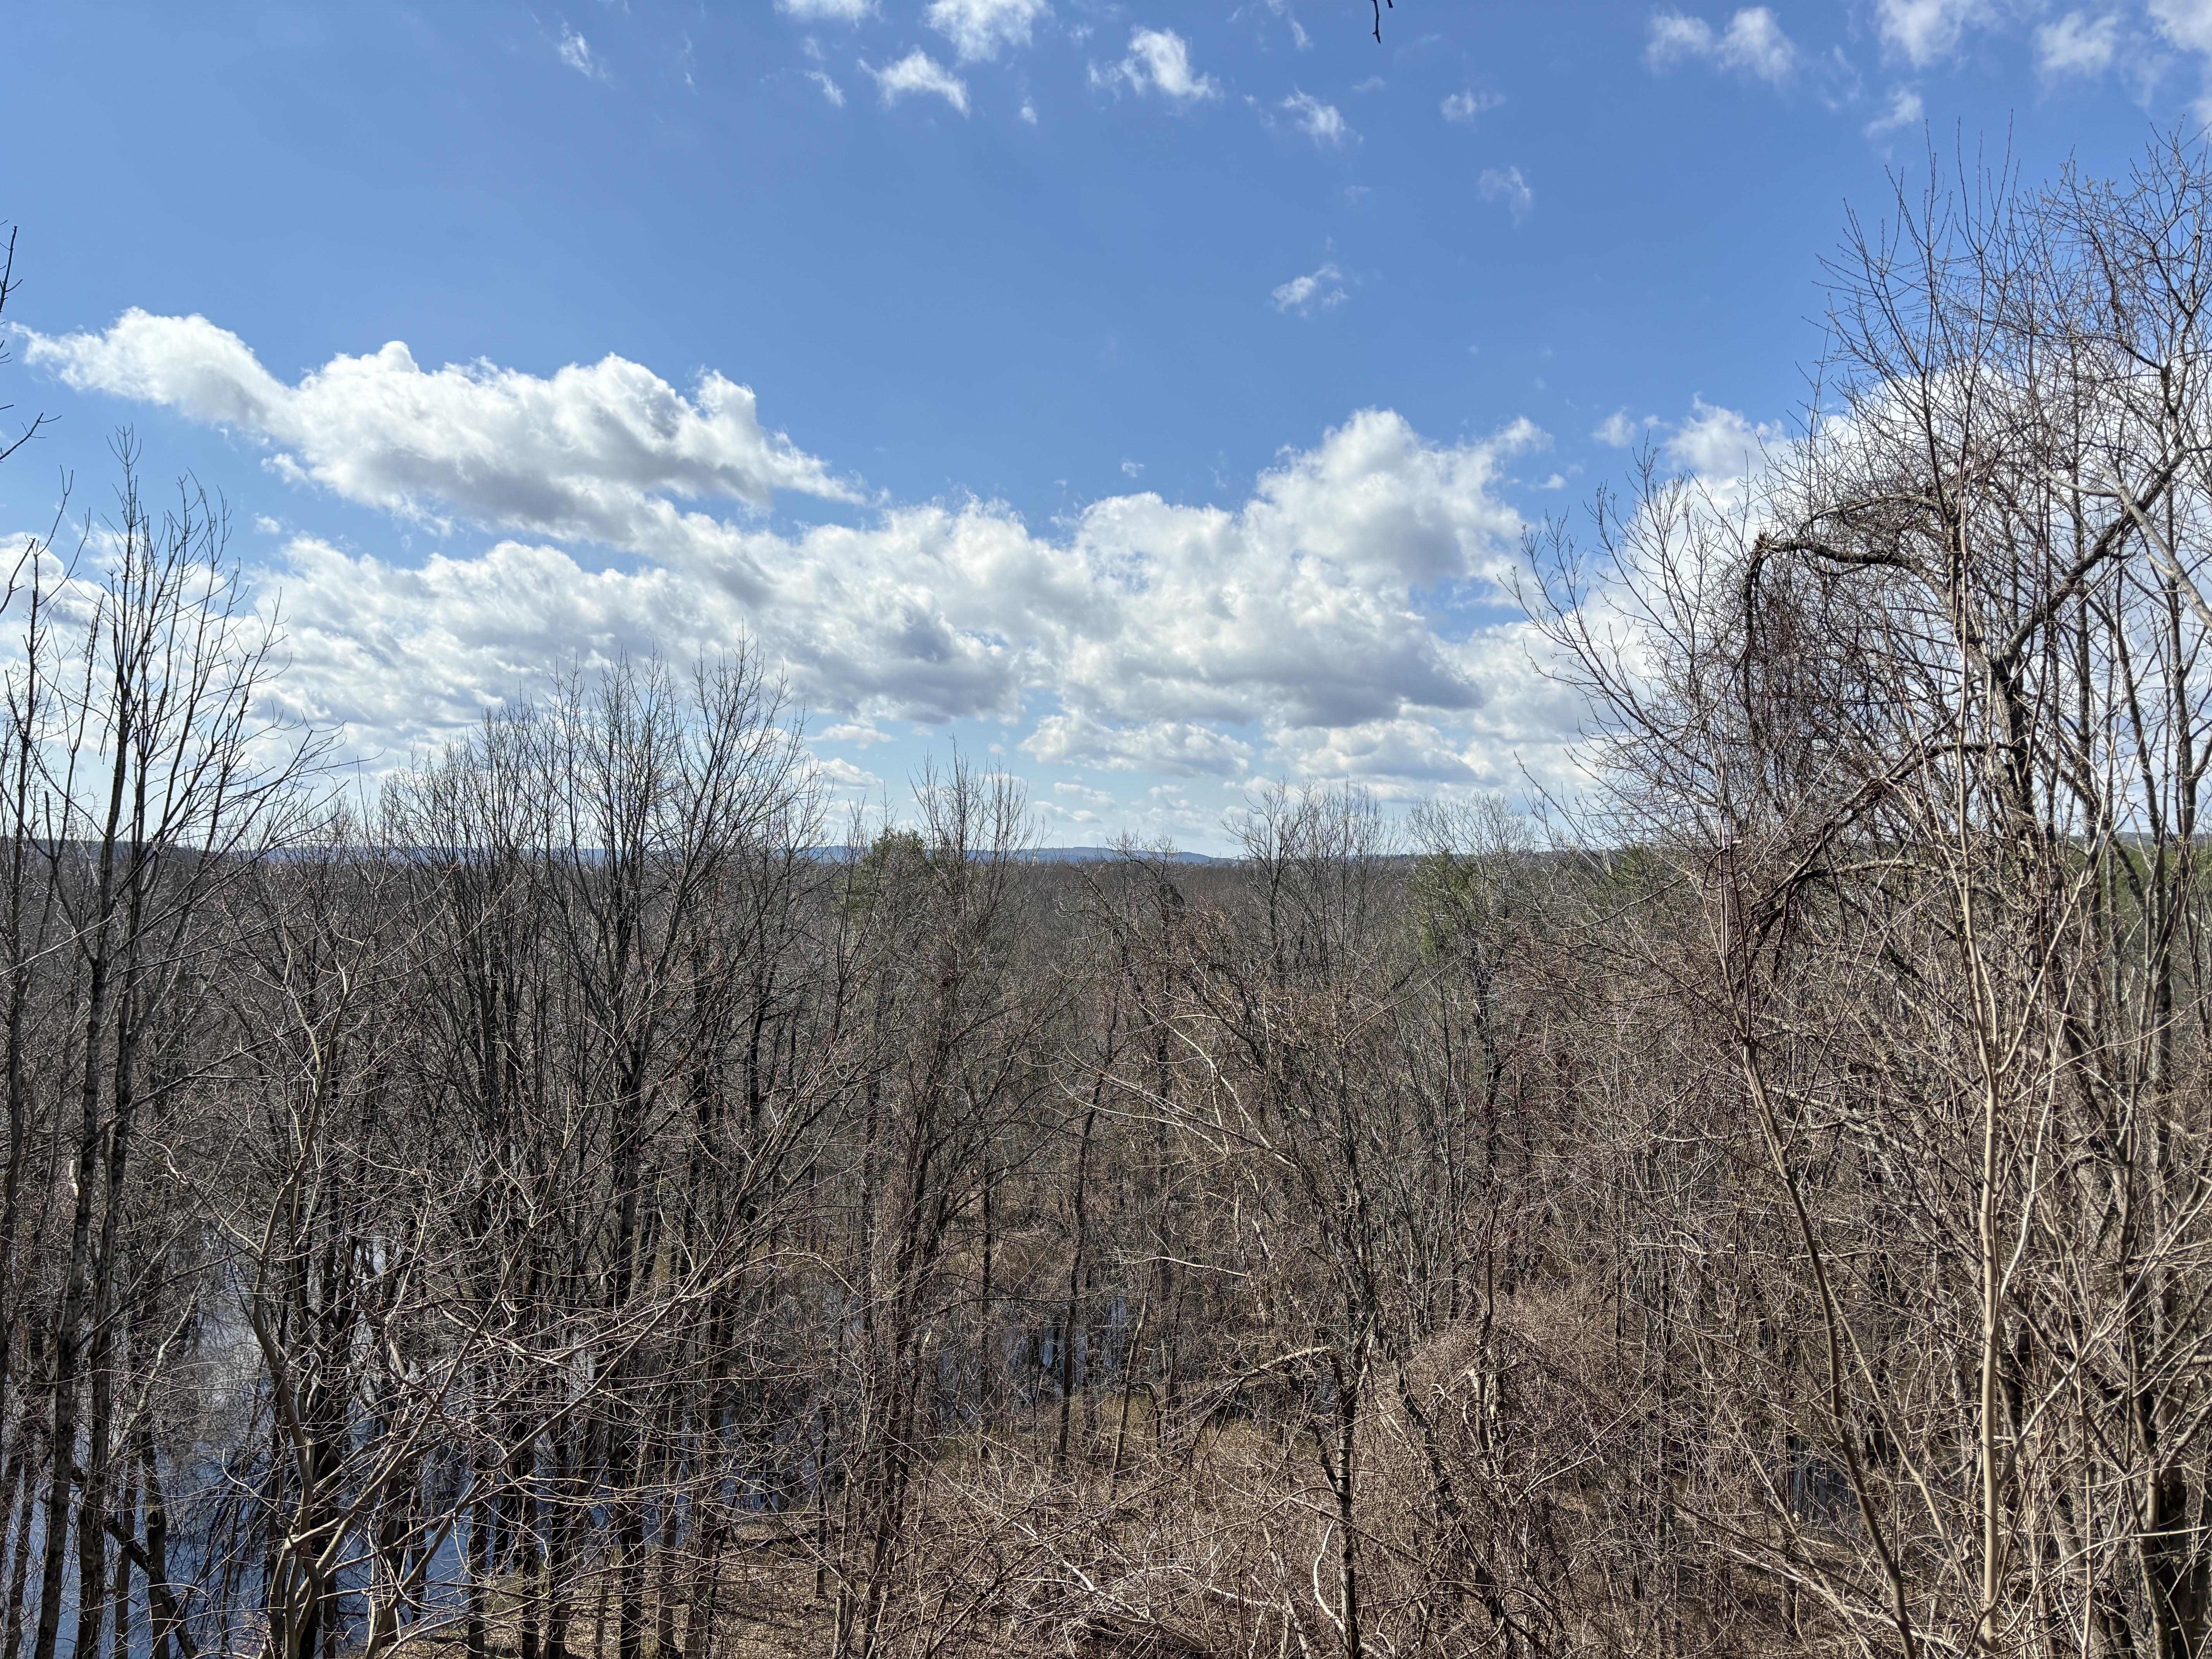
pixel 1148 398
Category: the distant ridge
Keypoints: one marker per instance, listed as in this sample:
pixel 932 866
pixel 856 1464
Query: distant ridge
pixel 1095 854
pixel 1057 855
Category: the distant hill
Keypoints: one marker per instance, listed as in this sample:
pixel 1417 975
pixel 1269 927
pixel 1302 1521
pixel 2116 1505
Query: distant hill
pixel 1094 854
pixel 1059 855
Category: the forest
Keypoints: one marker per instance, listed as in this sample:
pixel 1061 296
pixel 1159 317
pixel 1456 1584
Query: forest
pixel 578 1197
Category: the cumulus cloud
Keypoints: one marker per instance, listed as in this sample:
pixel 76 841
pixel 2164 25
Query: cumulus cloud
pixel 978 28
pixel 1752 44
pixel 1922 31
pixel 1322 123
pixel 1177 748
pixel 830 89
pixel 1158 61
pixel 918 72
pixel 826 11
pixel 1719 443
pixel 1466 106
pixel 1319 290
pixel 843 774
pixel 1507 186
pixel 1344 595
pixel 859 733
pixel 1517 728
pixel 604 451
pixel 1617 430
pixel 1413 751
pixel 1149 624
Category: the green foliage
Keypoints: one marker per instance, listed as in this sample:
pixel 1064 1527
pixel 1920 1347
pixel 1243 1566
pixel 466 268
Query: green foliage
pixel 895 855
pixel 1454 900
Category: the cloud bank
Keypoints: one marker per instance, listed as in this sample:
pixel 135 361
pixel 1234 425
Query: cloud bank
pixel 1343 620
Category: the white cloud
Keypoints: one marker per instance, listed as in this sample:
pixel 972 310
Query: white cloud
pixel 1158 61
pixel 1752 44
pixel 830 89
pixel 1676 39
pixel 1147 622
pixel 978 28
pixel 1519 725
pixel 1320 290
pixel 2185 23
pixel 1133 634
pixel 858 733
pixel 1322 123
pixel 1413 750
pixel 1507 186
pixel 576 53
pixel 599 451
pixel 1178 748
pixel 1617 430
pixel 1903 110
pixel 2077 44
pixel 1925 30
pixel 843 774
pixel 826 11
pixel 918 72
pixel 1755 43
pixel 1721 444
pixel 1466 106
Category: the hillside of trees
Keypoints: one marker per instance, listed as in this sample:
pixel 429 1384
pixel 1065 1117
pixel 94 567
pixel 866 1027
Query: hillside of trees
pixel 549 1206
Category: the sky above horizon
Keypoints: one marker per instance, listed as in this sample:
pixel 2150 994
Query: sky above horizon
pixel 1148 400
